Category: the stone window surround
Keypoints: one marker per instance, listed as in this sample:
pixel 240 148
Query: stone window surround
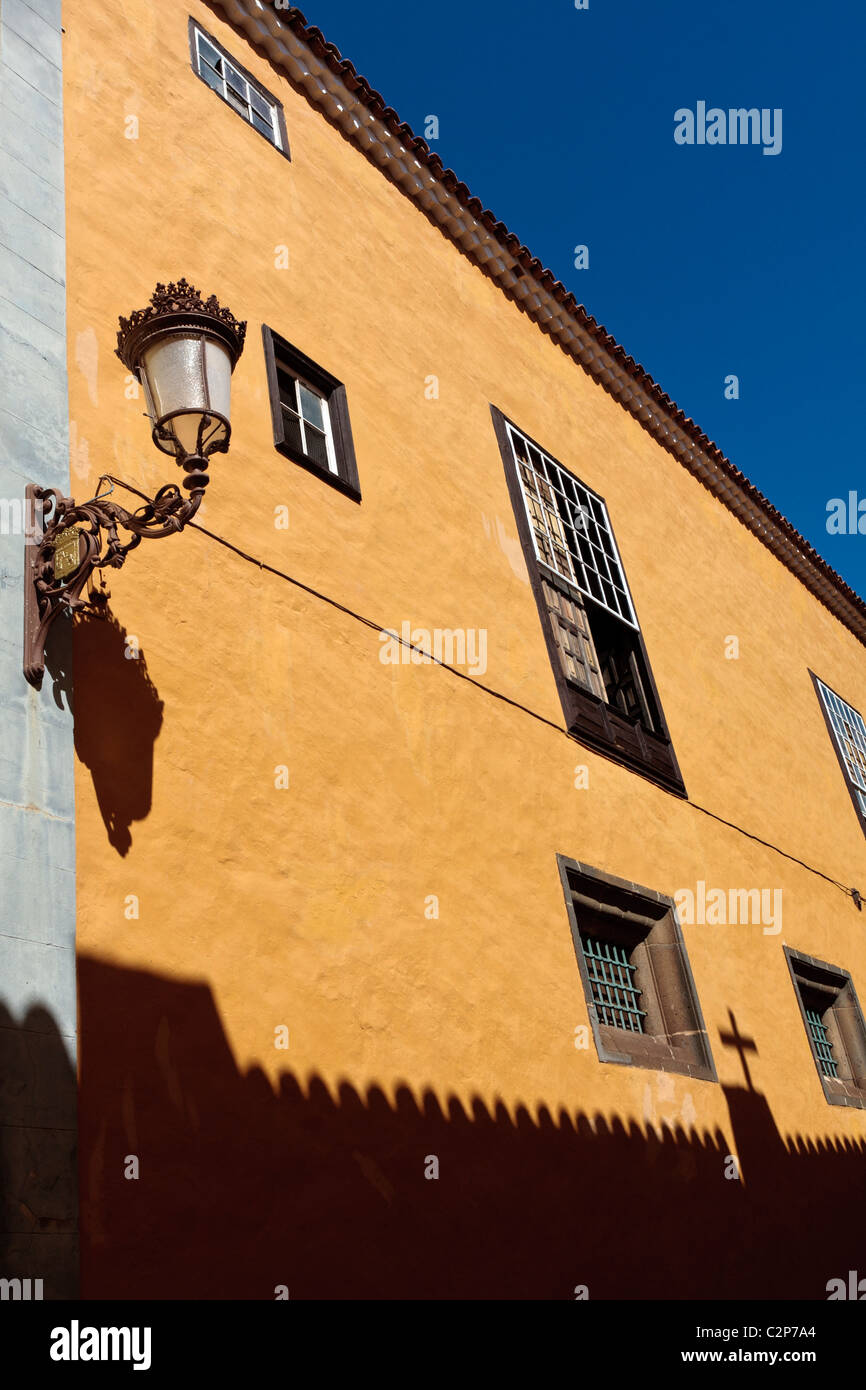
pixel 845 1026
pixel 676 1039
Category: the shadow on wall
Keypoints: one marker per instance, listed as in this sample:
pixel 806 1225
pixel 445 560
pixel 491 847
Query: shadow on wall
pixel 118 717
pixel 38 1183
pixel 243 1188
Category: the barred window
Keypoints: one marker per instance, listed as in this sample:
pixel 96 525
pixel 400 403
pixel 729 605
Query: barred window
pixel 834 1027
pixel 641 999
pixel 238 88
pixel 822 1045
pixel 612 981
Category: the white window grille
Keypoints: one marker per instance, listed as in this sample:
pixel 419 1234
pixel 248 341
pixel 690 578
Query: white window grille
pixel 571 529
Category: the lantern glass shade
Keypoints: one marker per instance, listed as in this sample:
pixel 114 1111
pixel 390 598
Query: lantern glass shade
pixel 187 385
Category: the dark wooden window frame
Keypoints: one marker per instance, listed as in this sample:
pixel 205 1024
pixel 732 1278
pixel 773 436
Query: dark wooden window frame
pixel 247 75
pixel 852 789
pixel 590 719
pixel 676 1039
pixel 334 392
pixel 846 1027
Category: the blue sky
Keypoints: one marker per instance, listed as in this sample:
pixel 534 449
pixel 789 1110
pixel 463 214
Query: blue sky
pixel 704 261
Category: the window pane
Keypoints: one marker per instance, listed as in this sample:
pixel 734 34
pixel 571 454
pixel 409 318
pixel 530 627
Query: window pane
pixel 265 127
pixel 311 406
pixel 237 102
pixel 604 539
pixel 292 429
pixel 528 478
pixel 585 552
pixel 287 386
pixel 317 449
pixel 518 443
pixel 235 80
pixel 259 104
pixel 208 53
pixel 212 78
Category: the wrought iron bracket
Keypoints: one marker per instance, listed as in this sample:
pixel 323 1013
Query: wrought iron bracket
pixel 66 543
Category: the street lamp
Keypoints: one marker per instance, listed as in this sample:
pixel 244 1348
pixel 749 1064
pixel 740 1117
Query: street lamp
pixel 183 350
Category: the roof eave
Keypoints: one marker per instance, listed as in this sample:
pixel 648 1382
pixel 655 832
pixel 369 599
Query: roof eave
pixel 331 82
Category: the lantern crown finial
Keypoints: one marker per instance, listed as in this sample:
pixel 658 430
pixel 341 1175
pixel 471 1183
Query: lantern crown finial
pixel 178 297
pixel 183 348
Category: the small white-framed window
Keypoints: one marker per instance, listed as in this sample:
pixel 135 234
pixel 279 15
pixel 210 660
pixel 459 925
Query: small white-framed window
pixel 231 82
pixel 307 421
pixel 310 413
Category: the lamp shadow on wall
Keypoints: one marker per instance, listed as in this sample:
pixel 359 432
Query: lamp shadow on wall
pixel 246 1185
pixel 117 717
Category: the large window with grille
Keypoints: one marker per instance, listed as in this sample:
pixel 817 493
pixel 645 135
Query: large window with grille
pixel 848 733
pixel 237 87
pixel 834 1027
pixel 640 995
pixel 310 414
pixel 588 615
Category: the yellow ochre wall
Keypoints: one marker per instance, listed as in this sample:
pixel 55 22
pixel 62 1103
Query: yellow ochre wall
pixel 306 906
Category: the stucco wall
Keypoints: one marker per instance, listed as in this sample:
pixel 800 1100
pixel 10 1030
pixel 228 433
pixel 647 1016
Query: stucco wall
pixel 38 1119
pixel 306 907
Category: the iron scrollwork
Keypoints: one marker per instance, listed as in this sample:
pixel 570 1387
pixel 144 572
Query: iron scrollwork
pixel 98 524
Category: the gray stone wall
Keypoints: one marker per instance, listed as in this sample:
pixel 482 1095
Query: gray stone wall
pixel 38 1184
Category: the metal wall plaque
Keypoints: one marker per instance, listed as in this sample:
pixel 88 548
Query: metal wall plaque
pixel 67 552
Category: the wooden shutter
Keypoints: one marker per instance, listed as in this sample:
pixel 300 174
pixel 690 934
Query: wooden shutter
pixel 573 638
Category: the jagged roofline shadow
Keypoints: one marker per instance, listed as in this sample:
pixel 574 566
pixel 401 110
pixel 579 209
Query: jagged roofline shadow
pixel 421 1100
pixel 475 1110
pixel 327 1174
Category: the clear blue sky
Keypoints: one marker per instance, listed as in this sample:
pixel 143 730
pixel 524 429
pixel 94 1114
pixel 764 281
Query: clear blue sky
pixel 704 260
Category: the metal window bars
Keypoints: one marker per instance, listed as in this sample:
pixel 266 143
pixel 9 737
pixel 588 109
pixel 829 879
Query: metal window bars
pixel 612 978
pixel 821 1044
